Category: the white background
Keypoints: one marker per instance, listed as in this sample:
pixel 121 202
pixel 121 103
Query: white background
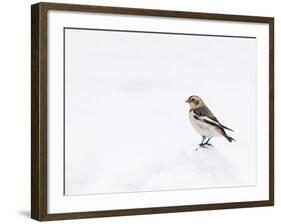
pixel 15 113
pixel 127 129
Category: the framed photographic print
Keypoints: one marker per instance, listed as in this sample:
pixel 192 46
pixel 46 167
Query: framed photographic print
pixel 141 111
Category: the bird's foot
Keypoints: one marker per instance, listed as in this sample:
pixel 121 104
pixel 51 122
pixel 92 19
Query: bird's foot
pixel 209 144
pixel 204 145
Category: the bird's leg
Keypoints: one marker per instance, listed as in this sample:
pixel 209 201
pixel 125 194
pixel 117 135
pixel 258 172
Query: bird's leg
pixel 207 142
pixel 202 143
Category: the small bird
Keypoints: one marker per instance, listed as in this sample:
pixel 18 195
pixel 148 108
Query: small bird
pixel 204 122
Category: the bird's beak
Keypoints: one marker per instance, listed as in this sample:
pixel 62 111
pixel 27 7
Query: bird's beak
pixel 187 101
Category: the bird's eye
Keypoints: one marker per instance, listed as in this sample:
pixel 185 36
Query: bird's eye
pixel 192 99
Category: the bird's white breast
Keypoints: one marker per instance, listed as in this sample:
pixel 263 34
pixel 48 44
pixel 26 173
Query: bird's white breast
pixel 203 128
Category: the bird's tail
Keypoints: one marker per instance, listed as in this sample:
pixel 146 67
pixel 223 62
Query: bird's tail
pixel 230 139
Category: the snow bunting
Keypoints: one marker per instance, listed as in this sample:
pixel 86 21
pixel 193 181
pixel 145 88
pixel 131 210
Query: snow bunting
pixel 204 122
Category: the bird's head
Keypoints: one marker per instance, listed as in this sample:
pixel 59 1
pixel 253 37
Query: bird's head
pixel 195 102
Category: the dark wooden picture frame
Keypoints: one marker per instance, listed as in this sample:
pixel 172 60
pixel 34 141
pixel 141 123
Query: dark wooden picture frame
pixel 39 105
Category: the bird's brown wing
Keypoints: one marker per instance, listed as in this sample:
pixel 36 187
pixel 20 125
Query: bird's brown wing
pixel 205 111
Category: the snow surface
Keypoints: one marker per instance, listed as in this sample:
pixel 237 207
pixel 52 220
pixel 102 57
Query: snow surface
pixel 127 129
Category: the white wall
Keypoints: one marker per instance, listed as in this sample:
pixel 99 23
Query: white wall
pixel 15 111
